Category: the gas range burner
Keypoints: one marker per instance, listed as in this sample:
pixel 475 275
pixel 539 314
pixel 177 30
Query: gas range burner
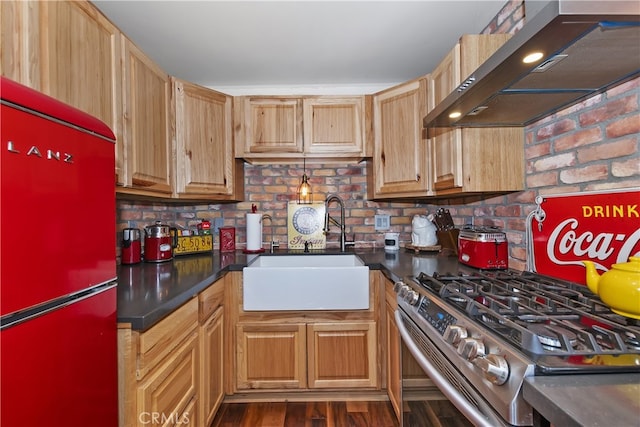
pixel 553 337
pixel 537 314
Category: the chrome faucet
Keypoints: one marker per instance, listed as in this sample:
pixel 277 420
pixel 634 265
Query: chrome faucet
pixel 273 243
pixel 328 219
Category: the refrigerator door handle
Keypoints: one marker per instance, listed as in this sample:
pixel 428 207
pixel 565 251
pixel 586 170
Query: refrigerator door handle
pixel 18 317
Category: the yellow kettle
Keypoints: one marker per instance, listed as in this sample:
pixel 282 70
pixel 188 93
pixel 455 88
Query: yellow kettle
pixel 619 288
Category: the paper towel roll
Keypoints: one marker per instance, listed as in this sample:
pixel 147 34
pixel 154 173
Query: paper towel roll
pixel 254 231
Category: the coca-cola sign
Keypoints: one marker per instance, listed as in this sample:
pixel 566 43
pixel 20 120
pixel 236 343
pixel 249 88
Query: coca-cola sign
pixel 603 227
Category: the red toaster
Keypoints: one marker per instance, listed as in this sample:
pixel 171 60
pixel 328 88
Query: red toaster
pixel 483 247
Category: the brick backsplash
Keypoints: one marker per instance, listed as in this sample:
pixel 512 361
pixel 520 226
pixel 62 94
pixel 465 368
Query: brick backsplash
pixel 270 188
pixel 593 145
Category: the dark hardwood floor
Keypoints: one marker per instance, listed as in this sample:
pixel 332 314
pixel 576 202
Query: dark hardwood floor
pixel 306 414
pixel 330 414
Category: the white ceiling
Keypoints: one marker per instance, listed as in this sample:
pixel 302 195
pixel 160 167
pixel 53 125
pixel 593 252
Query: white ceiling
pixel 295 47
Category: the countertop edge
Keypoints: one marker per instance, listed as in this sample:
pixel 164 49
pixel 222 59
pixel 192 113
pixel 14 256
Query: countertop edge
pixel 603 399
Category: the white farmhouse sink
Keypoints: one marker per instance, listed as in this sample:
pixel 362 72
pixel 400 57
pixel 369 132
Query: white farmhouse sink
pixel 305 282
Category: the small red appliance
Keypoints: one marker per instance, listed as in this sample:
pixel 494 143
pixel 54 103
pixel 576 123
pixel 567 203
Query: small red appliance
pixel 483 247
pixel 159 242
pixel 131 250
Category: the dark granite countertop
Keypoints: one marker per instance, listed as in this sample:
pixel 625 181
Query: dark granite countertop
pixel 586 400
pixel 147 292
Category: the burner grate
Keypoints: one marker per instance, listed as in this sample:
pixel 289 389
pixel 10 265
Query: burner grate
pixel 540 315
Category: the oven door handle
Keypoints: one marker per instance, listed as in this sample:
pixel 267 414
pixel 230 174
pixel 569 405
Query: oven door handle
pixel 486 418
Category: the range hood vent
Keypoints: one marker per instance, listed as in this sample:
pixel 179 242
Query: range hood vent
pixel 587 47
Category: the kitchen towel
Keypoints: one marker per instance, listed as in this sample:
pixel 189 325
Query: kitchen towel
pixel 254 231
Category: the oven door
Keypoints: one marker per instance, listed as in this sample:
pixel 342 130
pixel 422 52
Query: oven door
pixel 418 348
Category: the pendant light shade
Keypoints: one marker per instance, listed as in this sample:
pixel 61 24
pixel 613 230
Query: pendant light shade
pixel 305 195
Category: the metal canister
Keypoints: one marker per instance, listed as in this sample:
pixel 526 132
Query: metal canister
pixel 131 246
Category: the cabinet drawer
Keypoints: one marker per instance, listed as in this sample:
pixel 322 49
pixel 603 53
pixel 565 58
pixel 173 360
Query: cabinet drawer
pixel 171 387
pixel 161 339
pixel 210 299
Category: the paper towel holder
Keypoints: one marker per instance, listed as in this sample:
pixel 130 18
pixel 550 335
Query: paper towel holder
pixel 305 195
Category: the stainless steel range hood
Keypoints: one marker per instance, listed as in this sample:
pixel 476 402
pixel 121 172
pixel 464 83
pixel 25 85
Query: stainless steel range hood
pixel 587 46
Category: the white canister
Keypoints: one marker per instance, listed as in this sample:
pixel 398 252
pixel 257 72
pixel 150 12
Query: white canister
pixel 391 242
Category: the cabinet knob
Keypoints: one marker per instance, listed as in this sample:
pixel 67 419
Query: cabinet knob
pixel 417 177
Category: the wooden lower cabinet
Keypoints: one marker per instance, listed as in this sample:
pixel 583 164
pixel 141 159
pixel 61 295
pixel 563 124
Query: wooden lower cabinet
pixel 342 354
pixel 158 371
pixel 173 373
pixel 271 356
pixel 394 368
pixel 298 355
pixel 211 366
pixel 212 351
pixel 168 392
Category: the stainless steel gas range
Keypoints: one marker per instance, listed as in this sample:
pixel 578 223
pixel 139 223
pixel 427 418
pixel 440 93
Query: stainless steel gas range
pixel 479 335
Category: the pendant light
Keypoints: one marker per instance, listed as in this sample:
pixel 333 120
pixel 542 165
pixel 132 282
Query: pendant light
pixel 305 195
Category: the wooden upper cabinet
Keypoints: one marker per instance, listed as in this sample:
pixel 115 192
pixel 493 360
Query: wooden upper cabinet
pixel 147 143
pixel 446 144
pixel 292 127
pixel 400 165
pixel 268 126
pixel 19 42
pixel 80 64
pixel 334 126
pixel 67 50
pixel 472 160
pixel 204 162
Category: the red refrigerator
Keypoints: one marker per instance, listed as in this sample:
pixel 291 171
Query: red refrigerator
pixel 58 350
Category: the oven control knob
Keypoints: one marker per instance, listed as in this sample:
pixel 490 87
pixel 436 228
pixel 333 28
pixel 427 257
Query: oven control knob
pixel 397 286
pixel 404 290
pixel 495 368
pixel 454 333
pixel 470 348
pixel 411 297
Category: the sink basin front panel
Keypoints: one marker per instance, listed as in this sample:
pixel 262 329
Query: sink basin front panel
pixel 301 286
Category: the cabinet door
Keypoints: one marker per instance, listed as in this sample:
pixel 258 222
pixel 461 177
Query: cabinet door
pixel 342 355
pixel 334 126
pixel 400 153
pixel 446 144
pixel 171 387
pixel 270 125
pixel 19 42
pixel 271 356
pixel 470 159
pixel 80 62
pixel 204 144
pixel 147 145
pixel 394 369
pixel 211 366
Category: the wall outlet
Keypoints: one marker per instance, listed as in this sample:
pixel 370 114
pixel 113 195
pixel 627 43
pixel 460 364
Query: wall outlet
pixel 382 222
pixel 217 224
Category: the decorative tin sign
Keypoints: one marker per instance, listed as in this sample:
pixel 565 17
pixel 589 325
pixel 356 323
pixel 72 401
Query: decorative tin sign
pixel 305 225
pixel 566 229
pixel 227 239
